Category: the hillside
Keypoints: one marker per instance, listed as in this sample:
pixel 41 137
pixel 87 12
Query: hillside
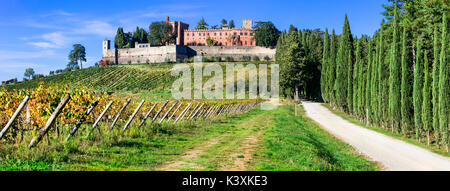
pixel 142 79
pixel 110 78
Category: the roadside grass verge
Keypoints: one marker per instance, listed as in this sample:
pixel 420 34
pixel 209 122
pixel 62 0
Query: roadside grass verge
pixel 135 150
pixel 388 132
pixel 296 143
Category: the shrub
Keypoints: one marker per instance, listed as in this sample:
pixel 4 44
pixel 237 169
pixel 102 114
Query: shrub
pixel 217 59
pixel 229 59
pixel 266 58
pixel 246 58
pixel 255 58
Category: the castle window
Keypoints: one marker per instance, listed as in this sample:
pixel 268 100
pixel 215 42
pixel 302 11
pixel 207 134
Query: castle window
pixel 245 34
pixel 241 33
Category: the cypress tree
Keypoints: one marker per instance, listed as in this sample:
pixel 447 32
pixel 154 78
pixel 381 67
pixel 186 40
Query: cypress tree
pixel 444 84
pixel 343 64
pixel 435 88
pixel 405 86
pixel 394 78
pixel 369 84
pixel 362 79
pixel 417 90
pixel 426 106
pixel 382 74
pixel 332 69
pixel 356 80
pixel 325 66
pixel 374 89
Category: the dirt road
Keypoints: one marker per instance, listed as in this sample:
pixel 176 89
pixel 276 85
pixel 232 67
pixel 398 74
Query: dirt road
pixel 393 154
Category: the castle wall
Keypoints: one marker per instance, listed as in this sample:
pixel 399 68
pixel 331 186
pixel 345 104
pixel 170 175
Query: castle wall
pixel 160 54
pixel 173 53
pixel 236 52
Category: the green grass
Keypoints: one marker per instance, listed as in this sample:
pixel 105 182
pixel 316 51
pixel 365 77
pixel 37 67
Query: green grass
pixel 388 132
pixel 136 149
pixel 296 143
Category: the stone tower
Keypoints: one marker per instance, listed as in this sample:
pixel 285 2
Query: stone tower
pixel 247 23
pixel 106 46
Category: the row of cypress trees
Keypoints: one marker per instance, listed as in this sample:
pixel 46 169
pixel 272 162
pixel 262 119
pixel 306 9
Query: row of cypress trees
pixel 397 79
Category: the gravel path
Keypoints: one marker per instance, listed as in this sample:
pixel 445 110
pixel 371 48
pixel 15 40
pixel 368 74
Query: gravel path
pixel 392 153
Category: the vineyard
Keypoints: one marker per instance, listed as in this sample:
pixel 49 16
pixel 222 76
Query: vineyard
pixel 65 111
pixel 111 78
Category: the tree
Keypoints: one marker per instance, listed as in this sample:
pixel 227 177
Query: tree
pixel 161 33
pixel 77 55
pixel 223 22
pixel 140 36
pixel 210 41
pixel 344 61
pixel 120 39
pixel 435 88
pixel 331 79
pixel 266 34
pixel 394 77
pixel 325 67
pixel 231 24
pixel 405 106
pixel 368 103
pixel 29 72
pixel 417 90
pixel 426 103
pixel 202 24
pixel 444 84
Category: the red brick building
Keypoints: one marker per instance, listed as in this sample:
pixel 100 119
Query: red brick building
pixel 180 27
pixel 222 37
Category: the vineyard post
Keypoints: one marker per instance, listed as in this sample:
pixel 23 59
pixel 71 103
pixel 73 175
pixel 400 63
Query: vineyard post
pixel 173 114
pixel 11 121
pixel 184 112
pixel 133 115
pixel 211 111
pixel 168 111
pixel 101 116
pixel 192 112
pixel 146 115
pixel 160 110
pixel 118 113
pixel 203 111
pixel 207 112
pixel 82 119
pixel 50 121
pixel 220 110
pixel 192 117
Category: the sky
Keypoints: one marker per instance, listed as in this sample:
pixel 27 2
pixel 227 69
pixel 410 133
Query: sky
pixel 39 34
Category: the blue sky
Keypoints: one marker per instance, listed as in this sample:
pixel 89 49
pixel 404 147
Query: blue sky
pixel 39 33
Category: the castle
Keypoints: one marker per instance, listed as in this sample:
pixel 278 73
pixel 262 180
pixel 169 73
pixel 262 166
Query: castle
pixel 235 43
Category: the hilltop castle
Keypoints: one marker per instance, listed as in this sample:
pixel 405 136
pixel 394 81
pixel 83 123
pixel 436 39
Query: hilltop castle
pixel 235 43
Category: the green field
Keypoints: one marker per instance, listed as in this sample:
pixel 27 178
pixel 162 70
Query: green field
pixel 258 140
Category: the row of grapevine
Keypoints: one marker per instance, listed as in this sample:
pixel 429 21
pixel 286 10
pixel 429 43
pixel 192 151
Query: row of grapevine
pixel 48 108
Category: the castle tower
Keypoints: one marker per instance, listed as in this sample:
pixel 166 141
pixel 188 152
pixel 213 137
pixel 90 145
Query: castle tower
pixel 247 23
pixel 106 46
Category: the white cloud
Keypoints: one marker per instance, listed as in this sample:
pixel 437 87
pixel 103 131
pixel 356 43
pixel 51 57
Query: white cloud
pixel 52 40
pixel 96 27
pixel 6 55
